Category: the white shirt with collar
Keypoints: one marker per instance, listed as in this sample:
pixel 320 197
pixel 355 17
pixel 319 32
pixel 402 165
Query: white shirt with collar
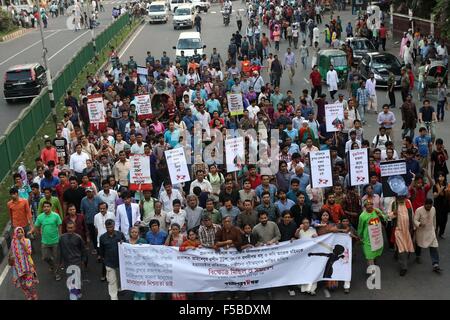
pixel 122 223
pixel 77 161
pixel 110 199
pixel 99 223
pixel 205 185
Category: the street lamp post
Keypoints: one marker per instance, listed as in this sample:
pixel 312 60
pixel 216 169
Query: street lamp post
pixel 47 68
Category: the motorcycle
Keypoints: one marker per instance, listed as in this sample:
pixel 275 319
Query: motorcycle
pixel 226 17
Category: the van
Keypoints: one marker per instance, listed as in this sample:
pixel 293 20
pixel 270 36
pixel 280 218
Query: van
pixel 188 42
pixel 174 4
pixel 24 81
pixel 184 16
pixel 158 12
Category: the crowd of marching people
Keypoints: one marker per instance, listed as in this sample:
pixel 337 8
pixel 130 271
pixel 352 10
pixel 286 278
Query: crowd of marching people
pixel 78 203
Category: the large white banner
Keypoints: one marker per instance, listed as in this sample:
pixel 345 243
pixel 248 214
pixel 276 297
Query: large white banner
pixel 359 166
pixel 235 104
pixel 235 153
pixel 143 105
pixel 177 165
pixel 321 171
pixel 147 268
pixel 140 169
pixel 334 117
pixel 96 109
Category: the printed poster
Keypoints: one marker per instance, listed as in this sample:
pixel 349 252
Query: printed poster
pixel 375 236
pixel 177 165
pixel 96 109
pixel 140 169
pixel 321 171
pixel 393 178
pixel 142 73
pixel 334 117
pixel 143 105
pixel 235 104
pixel 149 268
pixel 359 166
pixel 235 153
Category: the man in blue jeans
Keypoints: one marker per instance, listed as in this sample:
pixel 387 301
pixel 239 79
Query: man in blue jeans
pixel 423 144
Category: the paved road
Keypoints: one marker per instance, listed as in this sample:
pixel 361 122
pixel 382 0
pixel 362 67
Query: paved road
pixel 62 44
pixel 419 283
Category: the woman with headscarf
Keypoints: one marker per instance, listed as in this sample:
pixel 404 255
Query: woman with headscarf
pixel 24 272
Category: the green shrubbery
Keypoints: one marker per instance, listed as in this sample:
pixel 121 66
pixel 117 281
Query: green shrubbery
pixel 6 23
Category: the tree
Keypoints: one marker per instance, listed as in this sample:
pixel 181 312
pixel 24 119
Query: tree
pixel 442 12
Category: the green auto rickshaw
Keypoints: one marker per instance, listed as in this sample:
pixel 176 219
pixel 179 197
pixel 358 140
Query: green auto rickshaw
pixel 338 59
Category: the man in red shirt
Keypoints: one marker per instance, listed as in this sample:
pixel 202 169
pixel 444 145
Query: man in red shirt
pixel 335 210
pixel 49 153
pixel 62 186
pixel 316 82
pixel 253 177
pixel 383 36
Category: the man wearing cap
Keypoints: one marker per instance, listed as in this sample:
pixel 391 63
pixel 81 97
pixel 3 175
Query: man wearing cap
pixel 127 215
pixel 109 253
pixel 257 82
pixel 89 208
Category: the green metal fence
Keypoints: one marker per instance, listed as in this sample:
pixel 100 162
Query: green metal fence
pixel 23 130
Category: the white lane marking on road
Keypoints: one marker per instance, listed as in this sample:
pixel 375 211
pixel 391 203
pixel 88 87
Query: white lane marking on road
pixel 306 80
pixel 4 273
pixel 30 46
pixel 241 9
pixel 213 12
pixel 57 52
pixel 131 41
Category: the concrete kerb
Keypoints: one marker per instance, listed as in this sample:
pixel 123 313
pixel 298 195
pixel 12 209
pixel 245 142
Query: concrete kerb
pixel 14 35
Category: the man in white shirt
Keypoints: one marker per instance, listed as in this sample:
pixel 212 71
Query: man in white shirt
pixel 348 144
pixel 297 120
pixel 379 141
pixel 100 219
pixel 253 110
pixel 177 215
pixel 120 144
pixel 168 195
pixel 128 214
pixel 78 161
pixel 205 185
pixel 138 147
pixel 332 81
pixel 109 196
pixel 370 86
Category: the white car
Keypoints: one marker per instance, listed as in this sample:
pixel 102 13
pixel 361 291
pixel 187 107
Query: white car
pixel 188 42
pixel 201 5
pixel 158 12
pixel 174 4
pixel 184 16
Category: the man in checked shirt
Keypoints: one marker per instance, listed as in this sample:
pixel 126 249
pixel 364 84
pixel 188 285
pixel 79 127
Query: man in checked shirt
pixel 290 63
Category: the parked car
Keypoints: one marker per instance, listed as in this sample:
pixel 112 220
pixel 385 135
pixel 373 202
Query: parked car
pixel 188 42
pixel 158 12
pixel 24 81
pixel 184 16
pixel 201 5
pixel 360 46
pixel 380 63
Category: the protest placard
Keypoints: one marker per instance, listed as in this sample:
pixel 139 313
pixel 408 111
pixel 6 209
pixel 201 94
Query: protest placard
pixel 235 153
pixel 235 104
pixel 96 109
pixel 358 161
pixel 177 165
pixel 154 268
pixel 393 178
pixel 143 106
pixel 321 171
pixel 140 175
pixel 334 117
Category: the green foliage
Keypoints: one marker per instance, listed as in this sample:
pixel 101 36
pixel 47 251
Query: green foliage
pixel 6 22
pixel 442 11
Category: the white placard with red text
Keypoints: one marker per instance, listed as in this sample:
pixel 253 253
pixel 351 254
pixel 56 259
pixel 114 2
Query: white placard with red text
pixel 96 108
pixel 321 171
pixel 140 169
pixel 359 166
pixel 177 165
